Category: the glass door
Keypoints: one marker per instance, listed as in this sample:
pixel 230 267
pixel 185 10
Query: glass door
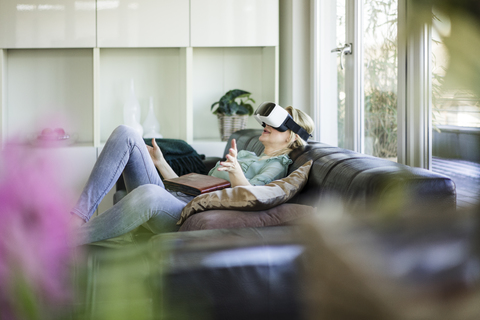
pixel 380 78
pixel 349 74
pixel 341 92
pixel 366 39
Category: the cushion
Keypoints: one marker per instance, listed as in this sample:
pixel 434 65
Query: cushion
pixel 283 214
pixel 181 157
pixel 250 198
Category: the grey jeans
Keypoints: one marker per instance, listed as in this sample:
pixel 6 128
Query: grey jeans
pixel 147 202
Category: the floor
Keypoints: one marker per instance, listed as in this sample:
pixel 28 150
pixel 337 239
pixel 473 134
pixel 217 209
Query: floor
pixel 466 176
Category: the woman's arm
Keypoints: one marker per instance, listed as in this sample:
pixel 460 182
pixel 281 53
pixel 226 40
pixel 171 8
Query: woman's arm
pixel 234 169
pixel 159 161
pixel 273 170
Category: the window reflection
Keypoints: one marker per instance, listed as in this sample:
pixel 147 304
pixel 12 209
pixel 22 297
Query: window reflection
pixel 26 7
pixel 84 5
pixel 40 7
pixel 51 7
pixel 107 4
pixel 451 106
pixel 455 120
pixel 78 5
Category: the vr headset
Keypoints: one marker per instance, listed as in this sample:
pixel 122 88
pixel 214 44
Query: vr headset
pixel 269 113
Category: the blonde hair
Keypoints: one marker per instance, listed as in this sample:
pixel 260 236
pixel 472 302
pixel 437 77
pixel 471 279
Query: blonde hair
pixel 304 121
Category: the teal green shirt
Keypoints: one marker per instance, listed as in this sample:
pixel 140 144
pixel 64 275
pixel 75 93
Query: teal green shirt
pixel 258 171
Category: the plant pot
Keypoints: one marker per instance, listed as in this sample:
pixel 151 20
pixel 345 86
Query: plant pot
pixel 230 124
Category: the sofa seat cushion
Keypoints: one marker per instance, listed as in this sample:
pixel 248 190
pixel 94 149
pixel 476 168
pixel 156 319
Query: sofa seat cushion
pixel 283 214
pixel 250 198
pixel 247 273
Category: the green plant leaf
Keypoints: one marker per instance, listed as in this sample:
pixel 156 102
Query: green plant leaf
pixel 242 109
pixel 248 108
pixel 233 102
pixel 237 93
pixel 213 105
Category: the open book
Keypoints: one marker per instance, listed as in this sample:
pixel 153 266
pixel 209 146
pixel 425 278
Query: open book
pixel 195 184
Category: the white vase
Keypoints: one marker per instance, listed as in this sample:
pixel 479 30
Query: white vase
pixel 151 126
pixel 132 111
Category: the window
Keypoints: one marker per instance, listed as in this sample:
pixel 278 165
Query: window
pixel 389 95
pixel 380 77
pixel 365 78
pixel 455 121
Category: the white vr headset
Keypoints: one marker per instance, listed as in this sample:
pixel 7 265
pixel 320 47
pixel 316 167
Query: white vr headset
pixel 269 113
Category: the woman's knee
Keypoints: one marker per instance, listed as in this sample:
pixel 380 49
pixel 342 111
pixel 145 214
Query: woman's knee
pixel 149 193
pixel 126 133
pixel 162 208
pixel 159 199
pixel 123 130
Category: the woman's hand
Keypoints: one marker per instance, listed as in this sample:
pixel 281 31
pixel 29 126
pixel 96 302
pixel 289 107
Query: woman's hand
pixel 159 161
pixel 231 165
pixel 155 153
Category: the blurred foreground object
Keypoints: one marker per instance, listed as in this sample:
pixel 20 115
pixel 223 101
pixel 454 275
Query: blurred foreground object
pixel 245 273
pixel 34 237
pixel 422 266
pixel 114 281
pixel 462 40
pixel 339 263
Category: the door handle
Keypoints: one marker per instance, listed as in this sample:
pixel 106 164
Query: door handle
pixel 346 49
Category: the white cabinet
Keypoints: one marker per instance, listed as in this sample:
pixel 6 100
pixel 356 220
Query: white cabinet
pixel 230 23
pixel 65 64
pixel 158 73
pixel 146 23
pixel 82 90
pixel 72 168
pixel 184 82
pixel 47 24
pixel 48 88
pixel 217 70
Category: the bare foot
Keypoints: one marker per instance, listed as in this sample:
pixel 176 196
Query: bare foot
pixel 77 221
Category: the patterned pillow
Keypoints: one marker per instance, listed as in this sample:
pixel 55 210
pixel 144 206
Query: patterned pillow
pixel 250 198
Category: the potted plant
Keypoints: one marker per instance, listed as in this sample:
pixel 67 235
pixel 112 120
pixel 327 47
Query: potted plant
pixel 232 111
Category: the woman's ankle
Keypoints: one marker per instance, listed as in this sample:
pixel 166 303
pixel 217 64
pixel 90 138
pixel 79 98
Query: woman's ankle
pixel 76 220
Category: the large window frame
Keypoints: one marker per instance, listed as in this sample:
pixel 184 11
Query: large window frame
pixel 414 90
pixel 325 75
pixel 414 120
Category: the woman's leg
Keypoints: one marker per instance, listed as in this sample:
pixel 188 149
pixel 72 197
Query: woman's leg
pixel 124 151
pixel 148 205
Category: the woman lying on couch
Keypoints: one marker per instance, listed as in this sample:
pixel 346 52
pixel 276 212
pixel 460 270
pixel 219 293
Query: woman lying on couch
pixel 148 203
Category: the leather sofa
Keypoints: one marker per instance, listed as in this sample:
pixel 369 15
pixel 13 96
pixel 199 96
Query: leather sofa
pixel 361 181
pixel 259 272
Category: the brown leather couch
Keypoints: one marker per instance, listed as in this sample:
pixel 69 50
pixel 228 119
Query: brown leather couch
pixel 259 272
pixel 361 181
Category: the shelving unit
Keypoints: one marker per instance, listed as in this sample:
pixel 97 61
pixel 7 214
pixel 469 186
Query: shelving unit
pixel 48 88
pixel 217 70
pixel 85 88
pixel 69 65
pixel 157 72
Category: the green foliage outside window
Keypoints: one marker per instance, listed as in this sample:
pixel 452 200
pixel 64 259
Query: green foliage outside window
pixel 380 80
pixel 381 74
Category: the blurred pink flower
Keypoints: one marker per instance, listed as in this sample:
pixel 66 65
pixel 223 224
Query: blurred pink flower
pixel 34 227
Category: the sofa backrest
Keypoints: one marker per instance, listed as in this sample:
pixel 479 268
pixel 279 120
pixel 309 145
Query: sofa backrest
pixel 246 139
pixel 356 177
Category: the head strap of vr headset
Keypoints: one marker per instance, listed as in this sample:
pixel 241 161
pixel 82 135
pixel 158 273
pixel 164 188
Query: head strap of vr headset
pixel 292 125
